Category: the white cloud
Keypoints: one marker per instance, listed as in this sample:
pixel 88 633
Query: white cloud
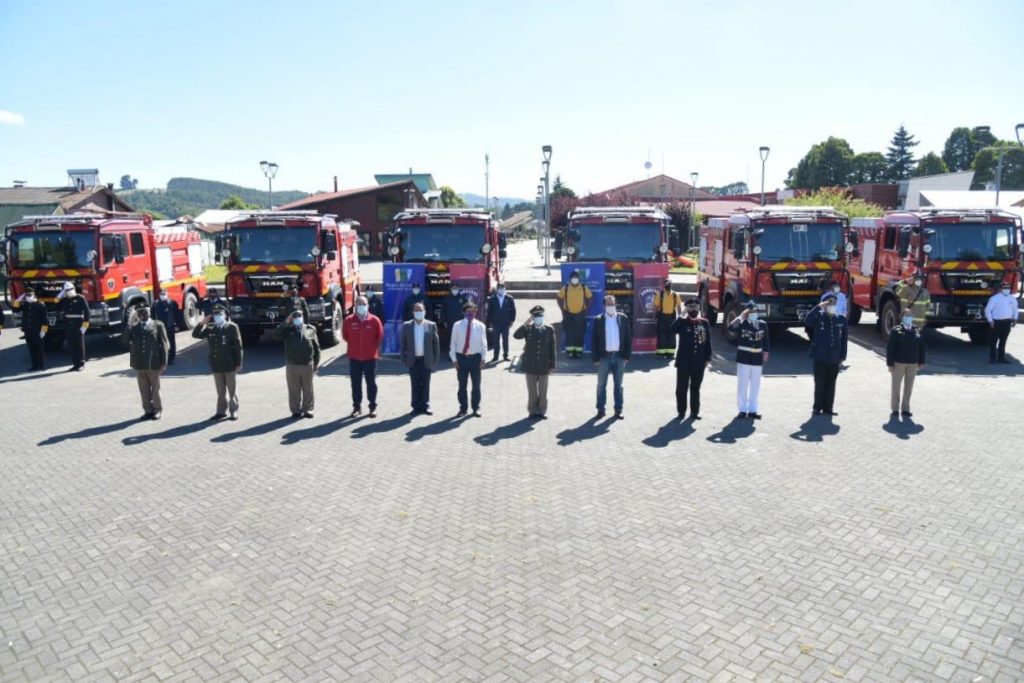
pixel 11 118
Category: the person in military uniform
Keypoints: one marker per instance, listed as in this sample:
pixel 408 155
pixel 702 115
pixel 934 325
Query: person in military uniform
pixel 417 296
pixel 451 313
pixel 666 310
pixel 751 354
pixel 224 346
pixel 212 299
pixel 75 311
pixel 375 303
pixel 166 311
pixel 538 361
pixel 34 325
pixel 912 294
pixel 146 341
pixel 905 356
pixel 292 301
pixel 828 349
pixel 302 360
pixel 574 300
pixel 693 356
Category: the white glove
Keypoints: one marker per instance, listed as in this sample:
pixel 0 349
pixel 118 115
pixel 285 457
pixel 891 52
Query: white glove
pixel 41 334
pixel 82 330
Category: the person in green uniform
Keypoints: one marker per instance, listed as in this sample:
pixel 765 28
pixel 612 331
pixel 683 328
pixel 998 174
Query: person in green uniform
pixel 224 344
pixel 914 295
pixel 146 341
pixel 538 361
pixel 302 360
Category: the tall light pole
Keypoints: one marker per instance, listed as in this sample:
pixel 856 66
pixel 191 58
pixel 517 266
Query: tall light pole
pixel 763 151
pixel 546 151
pixel 487 182
pixel 269 169
pixel 693 215
pixel 540 218
pixel 1019 127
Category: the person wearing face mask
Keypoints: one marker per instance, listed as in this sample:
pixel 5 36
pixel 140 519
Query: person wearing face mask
pixel 212 299
pixel 419 347
pixel 166 311
pixel 834 289
pixel 376 303
pixel 752 347
pixel 224 349
pixel 292 301
pixel 574 300
pixel 417 296
pixel 611 349
pixel 451 313
pixel 501 313
pixel 905 356
pixel 912 294
pixel 74 309
pixel 363 332
pixel 692 357
pixel 302 360
pixel 828 349
pixel 666 309
pixel 538 361
pixel 468 353
pixel 34 325
pixel 146 341
pixel 1001 312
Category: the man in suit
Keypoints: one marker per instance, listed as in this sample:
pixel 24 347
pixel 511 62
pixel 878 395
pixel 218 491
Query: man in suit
pixel 468 351
pixel 419 347
pixel 501 313
pixel 166 311
pixel 451 313
pixel 610 349
pixel 212 299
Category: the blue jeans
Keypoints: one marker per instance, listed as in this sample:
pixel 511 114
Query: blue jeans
pixel 613 364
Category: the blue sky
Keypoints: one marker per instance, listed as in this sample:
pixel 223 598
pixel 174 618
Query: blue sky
pixel 207 89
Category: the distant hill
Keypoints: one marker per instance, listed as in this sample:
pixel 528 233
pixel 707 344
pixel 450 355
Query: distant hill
pixel 478 200
pixel 192 196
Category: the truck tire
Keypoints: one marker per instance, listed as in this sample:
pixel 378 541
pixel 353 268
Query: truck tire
pixel 330 333
pixel 889 318
pixel 705 304
pixel 855 312
pixel 251 335
pixel 732 310
pixel 53 341
pixel 190 311
pixel 978 334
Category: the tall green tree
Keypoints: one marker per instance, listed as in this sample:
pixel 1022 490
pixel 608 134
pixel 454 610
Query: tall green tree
pixel 841 200
pixel 451 199
pixel 234 202
pixel 827 164
pixel 963 145
pixel 986 161
pixel 507 211
pixel 900 154
pixel 868 167
pixel 930 164
pixel 560 189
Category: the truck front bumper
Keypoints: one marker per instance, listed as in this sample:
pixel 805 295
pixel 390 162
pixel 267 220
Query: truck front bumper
pixel 266 313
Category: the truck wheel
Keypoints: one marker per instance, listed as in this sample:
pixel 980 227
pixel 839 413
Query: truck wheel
pixel 710 313
pixel 251 335
pixel 190 311
pixel 978 334
pixel 330 333
pixel 732 310
pixel 855 312
pixel 889 318
pixel 53 341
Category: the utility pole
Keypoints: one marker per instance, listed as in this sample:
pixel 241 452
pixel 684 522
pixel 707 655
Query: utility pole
pixel 487 182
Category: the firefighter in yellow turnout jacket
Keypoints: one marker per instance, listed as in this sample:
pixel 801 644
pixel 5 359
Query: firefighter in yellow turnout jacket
pixel 914 295
pixel 574 300
pixel 666 308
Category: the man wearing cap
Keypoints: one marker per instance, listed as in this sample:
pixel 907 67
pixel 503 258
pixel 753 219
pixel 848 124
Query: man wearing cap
pixel 146 341
pixel 363 332
pixel 451 313
pixel 692 357
pixel 302 360
pixel 905 356
pixel 292 302
pixel 611 349
pixel 34 324
pixel 212 299
pixel 828 349
pixel 751 354
pixel 419 347
pixel 468 351
pixel 376 303
pixel 1001 312
pixel 166 311
pixel 501 313
pixel 417 296
pixel 666 309
pixel 912 294
pixel 224 347
pixel 574 300
pixel 834 289
pixel 75 310
pixel 538 361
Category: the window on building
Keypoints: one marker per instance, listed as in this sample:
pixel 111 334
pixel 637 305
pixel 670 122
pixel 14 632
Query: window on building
pixel 137 244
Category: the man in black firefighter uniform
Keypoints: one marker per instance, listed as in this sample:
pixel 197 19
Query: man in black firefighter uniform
pixel 451 313
pixel 75 310
pixel 212 299
pixel 693 355
pixel 501 313
pixel 34 324
pixel 417 297
pixel 666 308
pixel 292 302
pixel 376 304
pixel 166 311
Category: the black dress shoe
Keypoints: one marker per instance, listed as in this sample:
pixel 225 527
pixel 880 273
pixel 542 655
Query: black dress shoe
pixel 461 413
pixel 832 413
pixel 155 416
pixel 815 412
pixel 372 413
pixel 542 417
pixel 356 412
pixel 1004 361
pixel 233 416
pixel 296 416
pixel 754 416
pixel 693 416
pixel 907 414
pixel 476 413
pixel 308 415
pixel 619 416
pixel 218 416
pixel 600 414
pixel 894 413
pixel 741 416
pixel 146 416
pixel 681 416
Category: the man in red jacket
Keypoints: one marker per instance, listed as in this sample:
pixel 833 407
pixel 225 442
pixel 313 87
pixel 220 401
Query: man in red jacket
pixel 363 332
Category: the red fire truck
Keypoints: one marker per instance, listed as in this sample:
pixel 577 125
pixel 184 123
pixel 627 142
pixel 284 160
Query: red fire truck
pixel 963 254
pixel 464 244
pixel 782 257
pixel 269 252
pixel 114 261
pixel 621 237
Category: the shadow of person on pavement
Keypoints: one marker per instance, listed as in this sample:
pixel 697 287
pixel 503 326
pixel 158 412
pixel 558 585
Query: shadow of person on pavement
pixel 89 432
pixel 375 427
pixel 673 430
pixel 590 429
pixel 435 428
pixel 815 429
pixel 739 428
pixel 509 431
pixel 42 374
pixel 902 430
pixel 255 430
pixel 180 430
pixel 316 431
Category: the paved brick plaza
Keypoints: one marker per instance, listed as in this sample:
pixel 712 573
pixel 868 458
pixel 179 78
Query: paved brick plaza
pixel 495 549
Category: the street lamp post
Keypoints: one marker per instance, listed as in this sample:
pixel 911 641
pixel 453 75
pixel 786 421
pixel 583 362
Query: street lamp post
pixel 269 169
pixel 763 151
pixel 546 151
pixel 693 215
pixel 540 218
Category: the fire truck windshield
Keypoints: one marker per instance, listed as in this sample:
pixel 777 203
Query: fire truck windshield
pixel 274 245
pixel 52 249
pixel 424 243
pixel 617 241
pixel 801 242
pixel 968 241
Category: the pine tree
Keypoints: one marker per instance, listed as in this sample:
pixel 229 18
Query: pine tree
pixel 900 155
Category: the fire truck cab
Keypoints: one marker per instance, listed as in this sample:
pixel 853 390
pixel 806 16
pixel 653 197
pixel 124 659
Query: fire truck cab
pixel 114 261
pixel 781 257
pixel 964 255
pixel 269 252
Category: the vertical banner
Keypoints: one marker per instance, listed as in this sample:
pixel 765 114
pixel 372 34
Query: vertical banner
pixel 648 278
pixel 398 281
pixel 472 281
pixel 592 277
